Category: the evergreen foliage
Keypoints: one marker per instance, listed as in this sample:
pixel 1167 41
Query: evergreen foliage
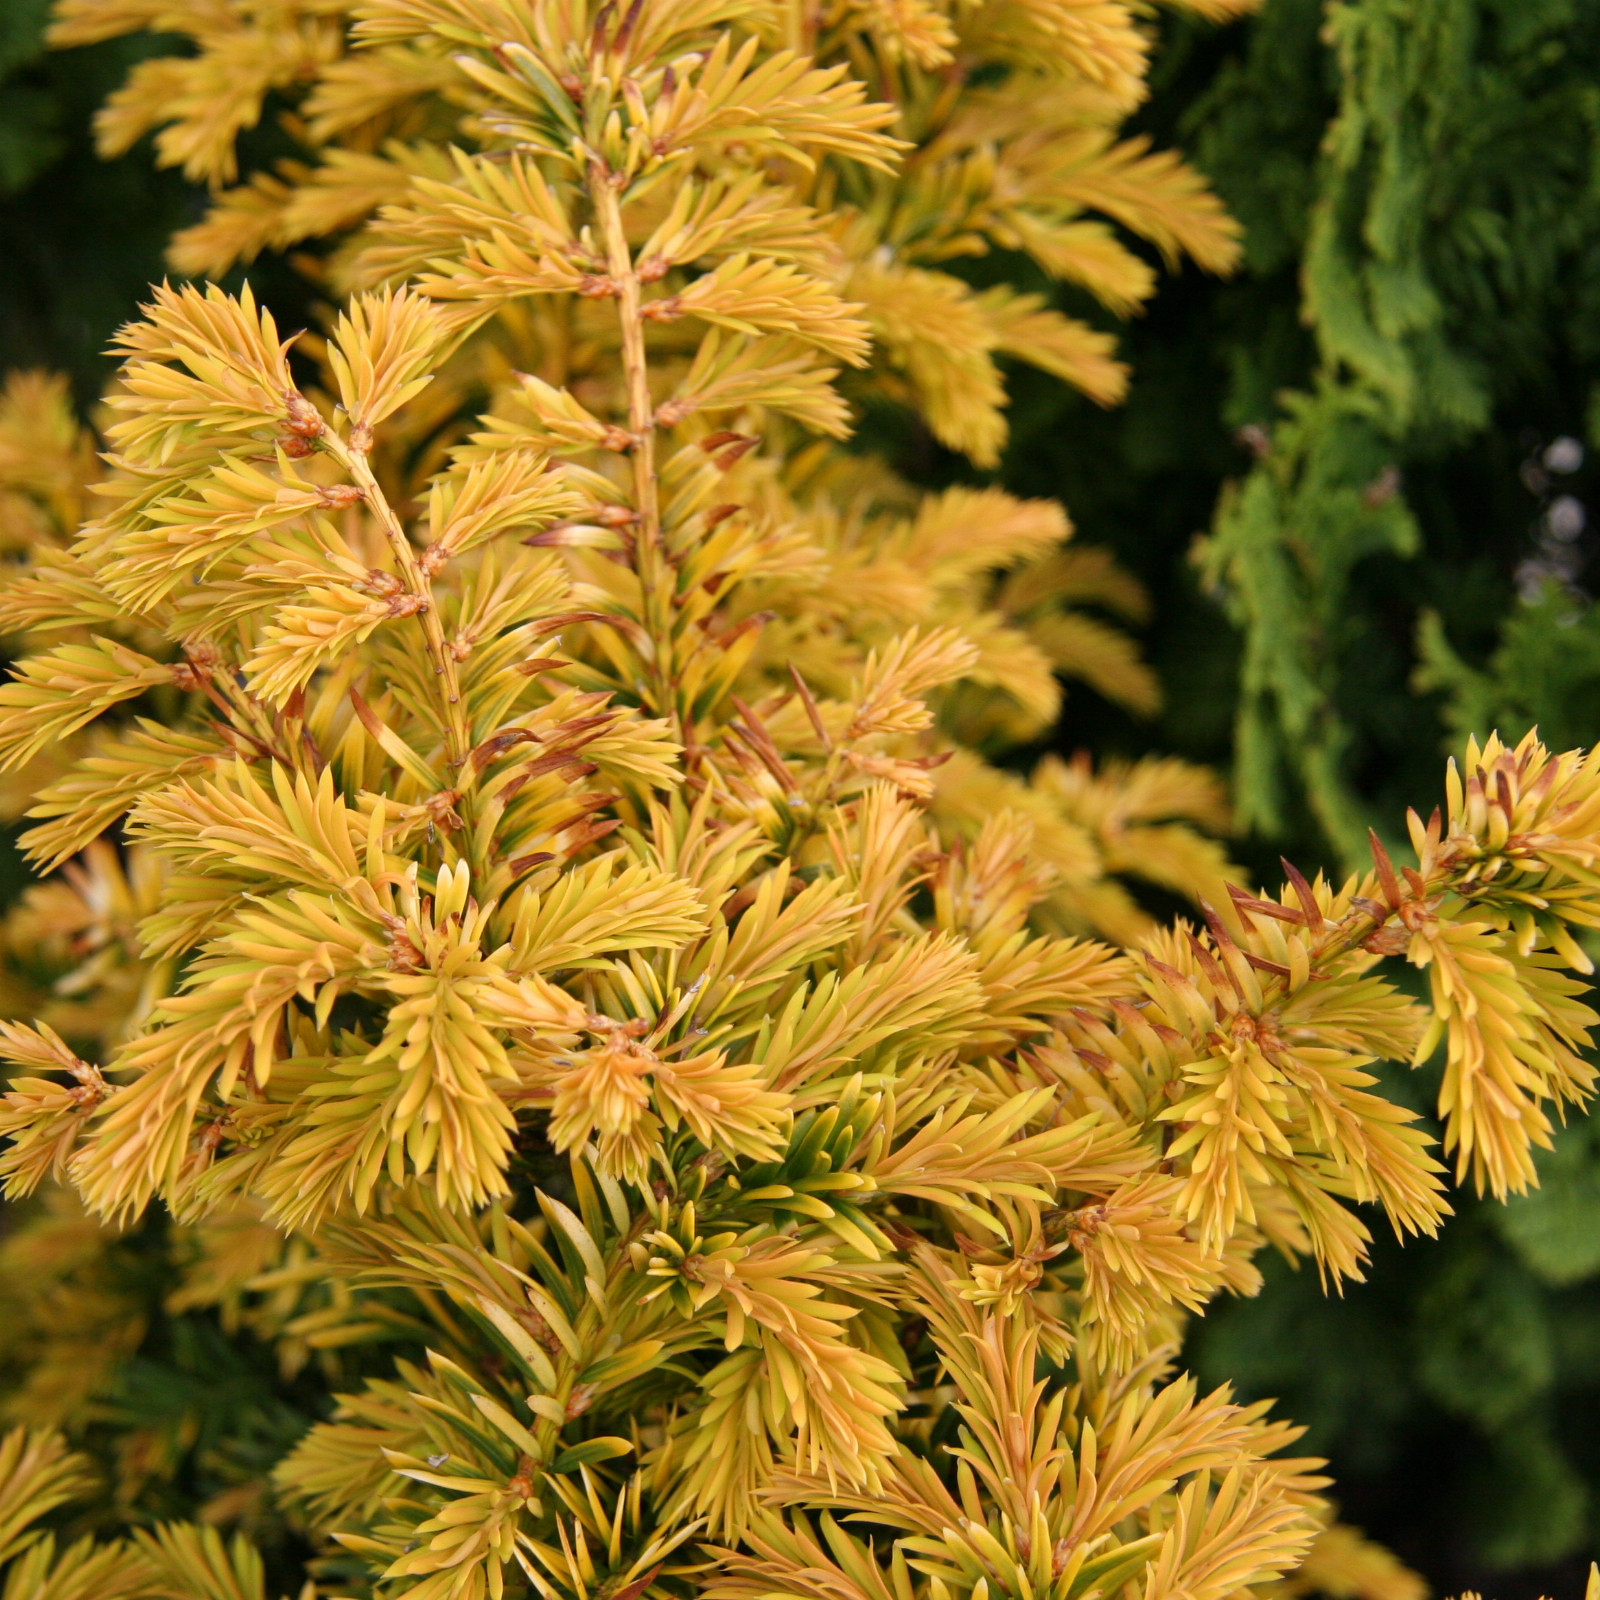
pixel 1447 264
pixel 856 560
pixel 713 789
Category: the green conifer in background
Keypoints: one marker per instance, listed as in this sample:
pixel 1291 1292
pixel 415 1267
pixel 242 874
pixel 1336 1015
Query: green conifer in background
pixel 1404 548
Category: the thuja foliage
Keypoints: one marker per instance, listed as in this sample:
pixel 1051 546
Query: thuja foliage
pixel 538 898
pixel 1438 229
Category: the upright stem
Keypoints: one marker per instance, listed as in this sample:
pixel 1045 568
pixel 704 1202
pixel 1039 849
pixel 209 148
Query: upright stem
pixel 458 735
pixel 655 573
pixel 641 414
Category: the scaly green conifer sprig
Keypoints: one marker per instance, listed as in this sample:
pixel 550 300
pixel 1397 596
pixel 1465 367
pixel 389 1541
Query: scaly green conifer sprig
pixel 1426 341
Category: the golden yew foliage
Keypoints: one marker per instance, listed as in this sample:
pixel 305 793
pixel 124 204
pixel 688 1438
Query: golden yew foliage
pixel 554 887
pixel 542 351
pixel 1006 111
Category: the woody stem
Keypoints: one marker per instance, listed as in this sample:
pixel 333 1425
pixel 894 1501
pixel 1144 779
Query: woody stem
pixel 656 577
pixel 636 371
pixel 458 736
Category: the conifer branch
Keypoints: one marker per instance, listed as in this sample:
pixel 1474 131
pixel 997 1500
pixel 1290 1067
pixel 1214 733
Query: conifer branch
pixel 352 455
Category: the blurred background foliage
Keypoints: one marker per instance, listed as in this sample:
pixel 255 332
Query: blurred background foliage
pixel 1356 480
